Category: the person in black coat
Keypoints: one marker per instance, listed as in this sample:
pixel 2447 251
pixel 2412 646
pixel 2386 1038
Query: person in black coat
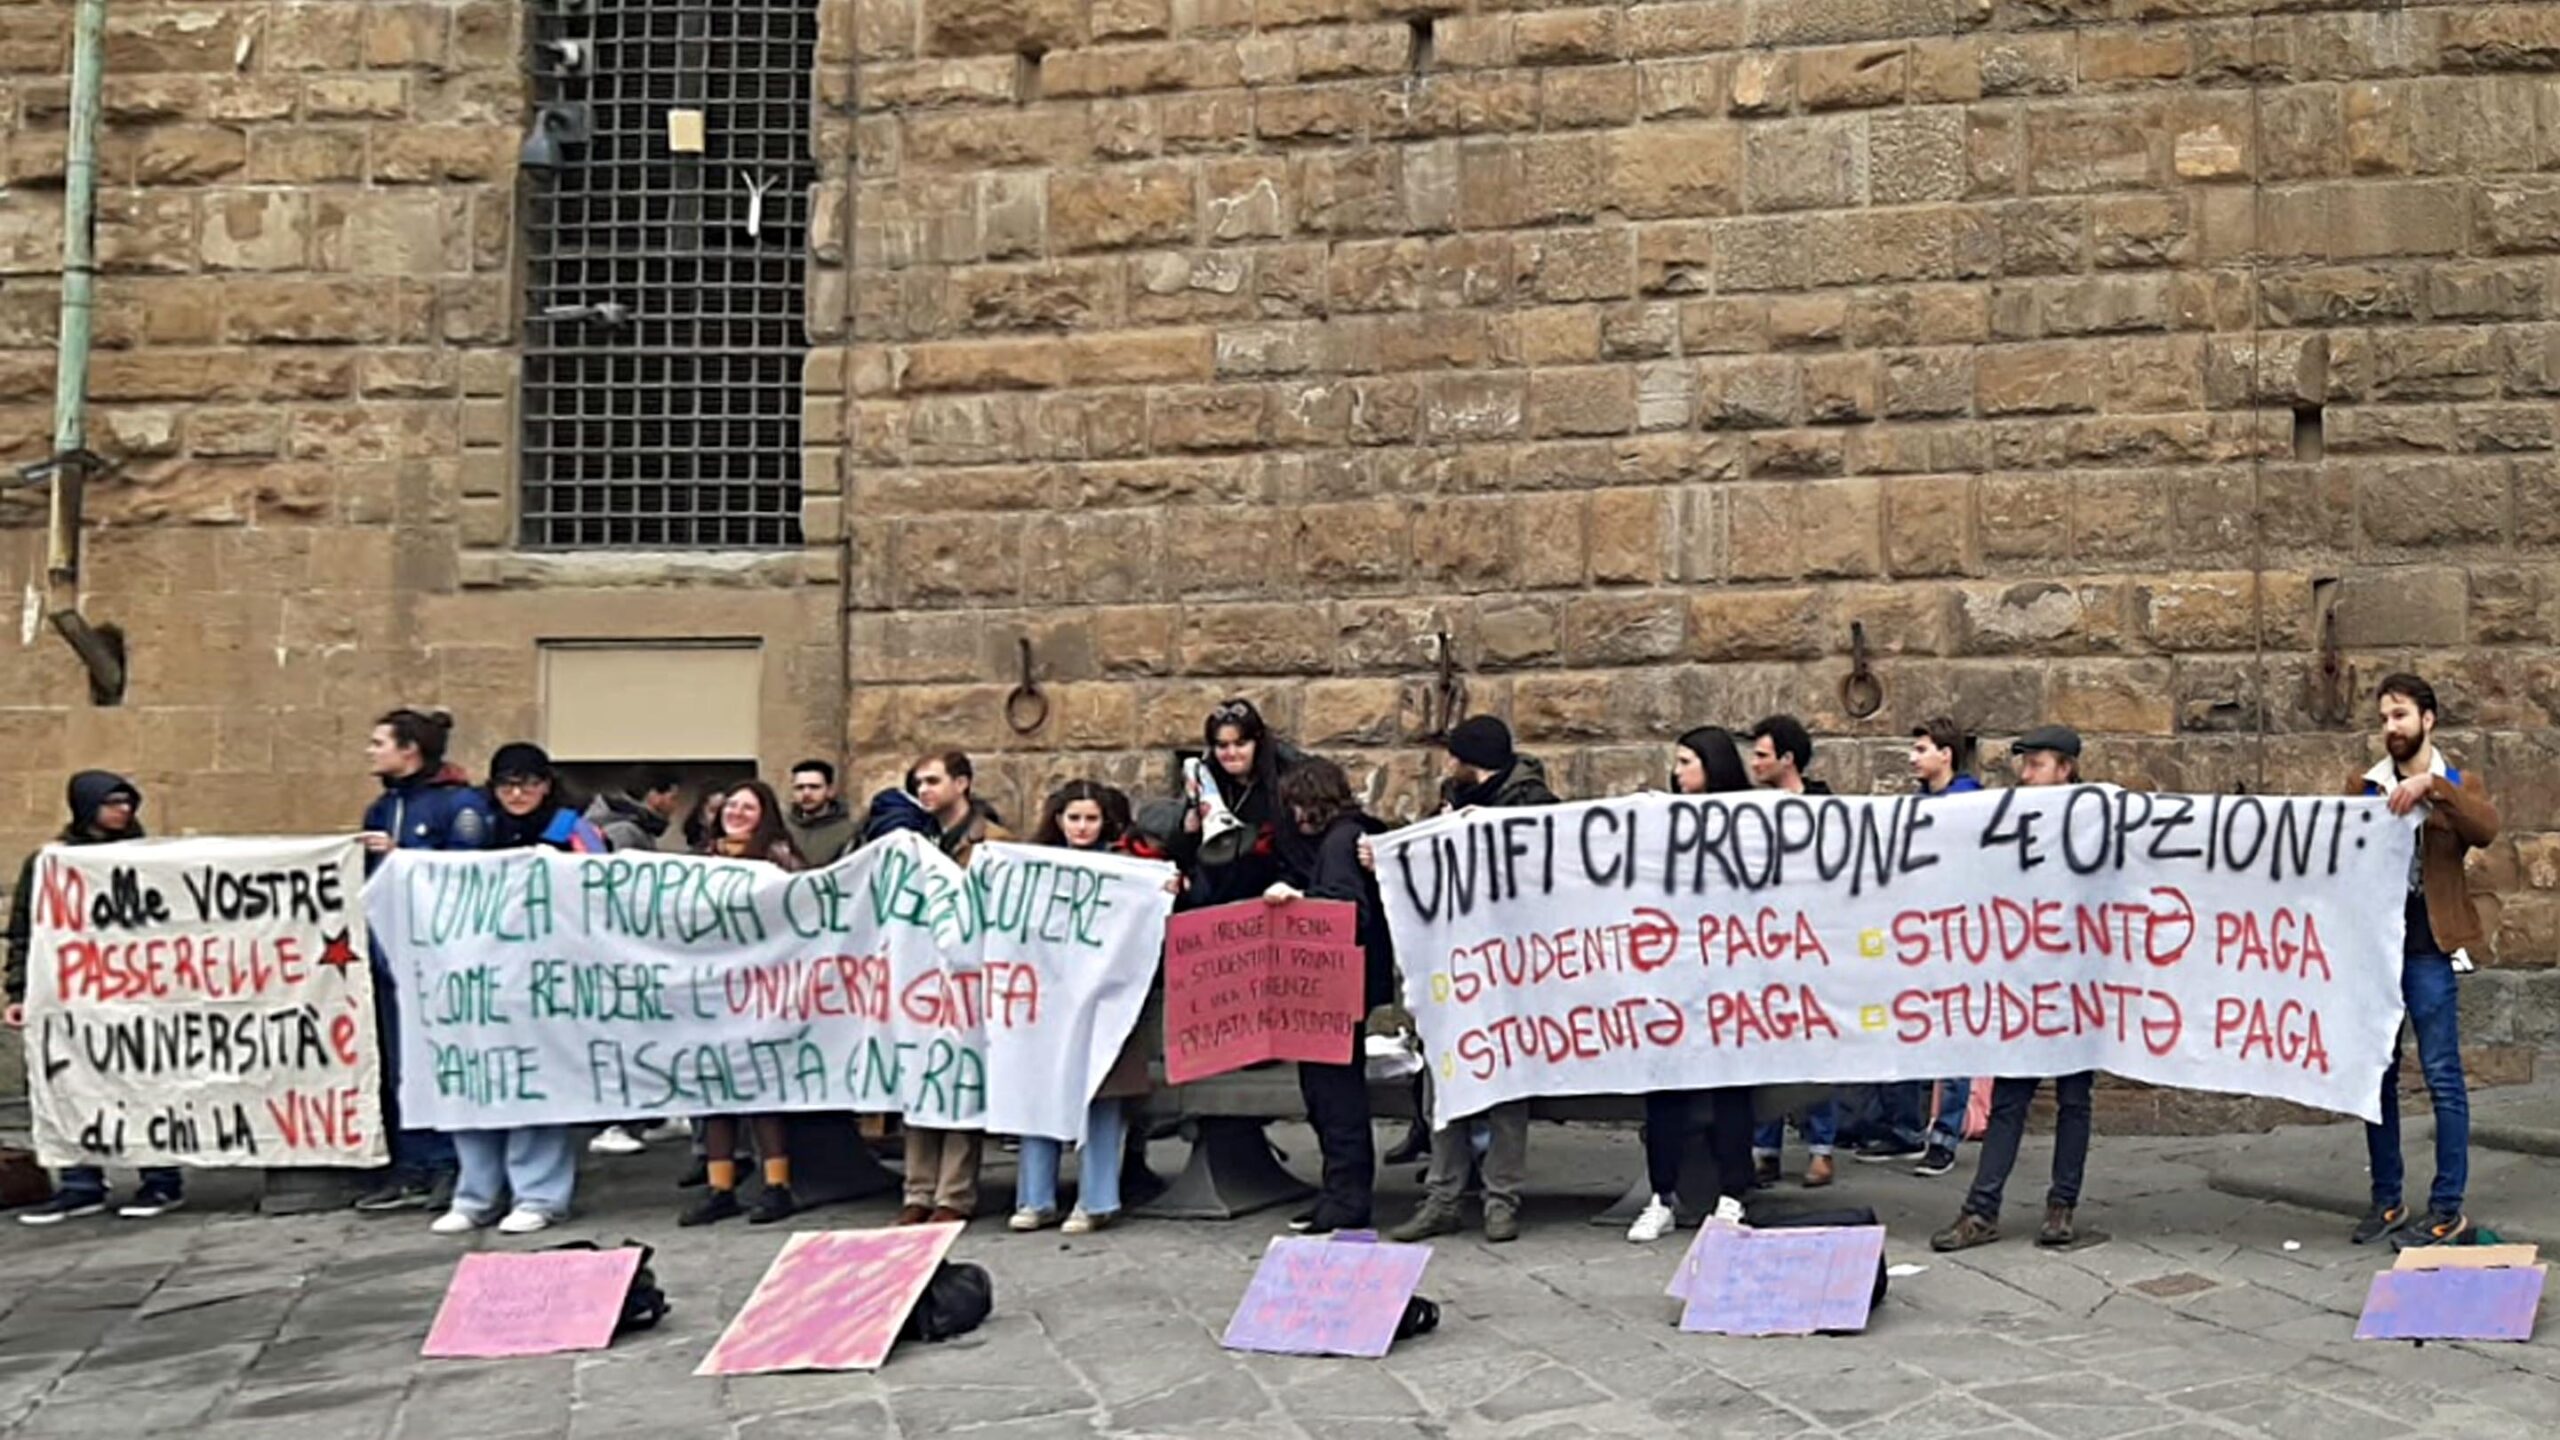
pixel 1326 821
pixel 1246 762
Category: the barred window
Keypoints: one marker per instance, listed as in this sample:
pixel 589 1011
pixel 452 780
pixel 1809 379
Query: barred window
pixel 664 338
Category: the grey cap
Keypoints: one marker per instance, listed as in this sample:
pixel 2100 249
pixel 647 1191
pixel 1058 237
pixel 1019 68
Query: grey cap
pixel 2060 739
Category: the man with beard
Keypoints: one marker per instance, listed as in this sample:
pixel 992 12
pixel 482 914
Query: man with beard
pixel 821 830
pixel 2440 922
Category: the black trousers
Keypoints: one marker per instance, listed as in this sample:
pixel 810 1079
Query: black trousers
pixel 1667 1126
pixel 1337 1099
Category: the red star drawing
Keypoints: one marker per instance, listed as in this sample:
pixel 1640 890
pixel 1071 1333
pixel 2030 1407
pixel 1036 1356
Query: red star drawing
pixel 337 954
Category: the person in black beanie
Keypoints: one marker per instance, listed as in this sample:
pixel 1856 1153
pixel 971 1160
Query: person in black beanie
pixel 1484 770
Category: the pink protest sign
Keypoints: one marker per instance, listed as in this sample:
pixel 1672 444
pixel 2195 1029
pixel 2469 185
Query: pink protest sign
pixel 1317 1297
pixel 2452 1304
pixel 832 1300
pixel 1250 982
pixel 1743 1281
pixel 537 1304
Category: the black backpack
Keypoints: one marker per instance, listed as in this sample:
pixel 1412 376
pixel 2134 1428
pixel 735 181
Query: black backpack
pixel 646 1304
pixel 955 1301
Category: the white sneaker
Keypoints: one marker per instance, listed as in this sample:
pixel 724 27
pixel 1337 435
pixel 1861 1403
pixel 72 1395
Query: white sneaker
pixel 1657 1221
pixel 523 1222
pixel 666 1130
pixel 614 1140
pixel 455 1222
pixel 1728 1211
pixel 1027 1219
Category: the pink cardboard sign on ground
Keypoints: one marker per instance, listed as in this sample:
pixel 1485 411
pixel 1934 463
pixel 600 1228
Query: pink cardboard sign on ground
pixel 1250 982
pixel 2452 1304
pixel 537 1304
pixel 832 1300
pixel 1782 1282
pixel 1318 1297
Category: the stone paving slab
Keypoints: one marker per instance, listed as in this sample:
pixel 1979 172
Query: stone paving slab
pixel 2192 1321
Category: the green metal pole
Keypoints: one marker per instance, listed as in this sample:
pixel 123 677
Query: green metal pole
pixel 79 289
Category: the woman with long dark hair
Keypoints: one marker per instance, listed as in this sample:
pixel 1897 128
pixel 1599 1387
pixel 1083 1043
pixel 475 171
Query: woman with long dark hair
pixel 1324 813
pixel 1706 761
pixel 750 829
pixel 1245 763
pixel 531 1168
pixel 1084 815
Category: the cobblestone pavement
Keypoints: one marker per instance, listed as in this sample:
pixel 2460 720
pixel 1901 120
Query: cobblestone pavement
pixel 2193 1320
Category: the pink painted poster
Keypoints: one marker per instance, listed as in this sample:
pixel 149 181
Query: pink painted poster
pixel 536 1304
pixel 832 1300
pixel 1251 982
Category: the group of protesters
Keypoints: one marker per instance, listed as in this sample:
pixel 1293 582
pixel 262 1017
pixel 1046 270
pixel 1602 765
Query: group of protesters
pixel 1299 829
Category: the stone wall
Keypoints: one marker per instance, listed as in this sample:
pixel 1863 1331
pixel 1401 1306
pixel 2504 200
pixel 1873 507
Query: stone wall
pixel 2103 359
pixel 306 364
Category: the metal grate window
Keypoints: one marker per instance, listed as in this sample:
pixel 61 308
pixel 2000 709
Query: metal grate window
pixel 661 392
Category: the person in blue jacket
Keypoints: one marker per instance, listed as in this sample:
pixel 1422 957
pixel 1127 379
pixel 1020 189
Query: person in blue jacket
pixel 1927 1133
pixel 531 1169
pixel 425 804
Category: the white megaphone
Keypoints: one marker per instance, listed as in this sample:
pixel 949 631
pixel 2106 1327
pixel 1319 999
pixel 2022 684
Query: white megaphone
pixel 1224 838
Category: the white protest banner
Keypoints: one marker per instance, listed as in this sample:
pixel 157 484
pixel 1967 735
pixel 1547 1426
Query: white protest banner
pixel 541 988
pixel 202 1002
pixel 2223 942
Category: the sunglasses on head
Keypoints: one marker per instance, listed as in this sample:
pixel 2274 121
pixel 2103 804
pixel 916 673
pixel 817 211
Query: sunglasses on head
pixel 1232 710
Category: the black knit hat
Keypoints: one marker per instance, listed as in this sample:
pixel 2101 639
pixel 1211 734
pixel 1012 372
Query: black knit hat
pixel 519 761
pixel 1483 742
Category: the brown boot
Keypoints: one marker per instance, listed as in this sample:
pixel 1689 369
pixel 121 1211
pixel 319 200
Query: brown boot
pixel 1968 1231
pixel 914 1214
pixel 1817 1172
pixel 2057 1226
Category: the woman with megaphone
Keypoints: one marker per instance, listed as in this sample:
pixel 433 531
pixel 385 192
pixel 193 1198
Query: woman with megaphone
pixel 1231 845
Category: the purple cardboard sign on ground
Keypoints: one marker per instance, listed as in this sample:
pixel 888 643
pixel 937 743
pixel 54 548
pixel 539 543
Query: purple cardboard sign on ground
pixel 1313 1297
pixel 1782 1282
pixel 502 1305
pixel 2452 1304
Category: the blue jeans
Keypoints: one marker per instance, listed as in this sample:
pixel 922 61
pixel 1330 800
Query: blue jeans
pixel 423 1153
pixel 535 1164
pixel 1106 1123
pixel 2428 988
pixel 2010 1097
pixel 90 1182
pixel 1948 1127
pixel 1820 1128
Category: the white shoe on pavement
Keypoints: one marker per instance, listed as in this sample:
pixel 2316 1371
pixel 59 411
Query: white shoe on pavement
pixel 1728 1211
pixel 666 1130
pixel 614 1140
pixel 524 1222
pixel 455 1222
pixel 1657 1221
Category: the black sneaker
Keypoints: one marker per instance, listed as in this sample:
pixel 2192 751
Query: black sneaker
pixel 1765 1171
pixel 1303 1221
pixel 69 1205
pixel 773 1202
pixel 400 1192
pixel 1324 1220
pixel 2378 1222
pixel 1938 1161
pixel 713 1207
pixel 153 1202
pixel 696 1175
pixel 2437 1229
pixel 1888 1151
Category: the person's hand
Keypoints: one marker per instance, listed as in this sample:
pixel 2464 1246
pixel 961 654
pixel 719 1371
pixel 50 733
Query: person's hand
pixel 15 1017
pixel 1191 818
pixel 1282 894
pixel 1368 857
pixel 376 843
pixel 1173 885
pixel 2411 793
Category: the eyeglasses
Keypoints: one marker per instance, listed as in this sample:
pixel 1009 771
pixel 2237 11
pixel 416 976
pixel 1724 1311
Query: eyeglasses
pixel 520 785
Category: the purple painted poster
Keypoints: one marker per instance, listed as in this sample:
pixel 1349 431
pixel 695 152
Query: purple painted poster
pixel 2452 1304
pixel 1317 1297
pixel 1743 1281
pixel 504 1305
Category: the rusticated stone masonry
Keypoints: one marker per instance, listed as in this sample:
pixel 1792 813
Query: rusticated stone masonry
pixel 2168 367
